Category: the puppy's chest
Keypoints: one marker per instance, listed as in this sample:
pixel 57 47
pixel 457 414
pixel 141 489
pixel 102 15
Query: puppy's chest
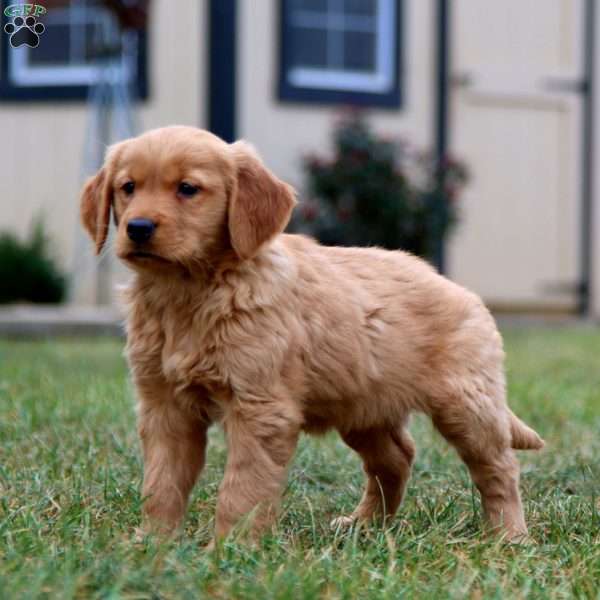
pixel 184 349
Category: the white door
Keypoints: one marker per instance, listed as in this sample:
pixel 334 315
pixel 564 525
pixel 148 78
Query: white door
pixel 516 121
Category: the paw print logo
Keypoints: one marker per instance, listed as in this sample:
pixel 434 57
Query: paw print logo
pixel 24 32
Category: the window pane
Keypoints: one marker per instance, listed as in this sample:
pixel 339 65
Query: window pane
pixel 54 47
pixel 309 47
pixel 360 7
pixel 311 5
pixel 359 51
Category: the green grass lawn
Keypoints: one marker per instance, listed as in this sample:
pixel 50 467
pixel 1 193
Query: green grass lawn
pixel 70 476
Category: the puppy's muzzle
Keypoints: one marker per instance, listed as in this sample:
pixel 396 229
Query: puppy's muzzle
pixel 140 230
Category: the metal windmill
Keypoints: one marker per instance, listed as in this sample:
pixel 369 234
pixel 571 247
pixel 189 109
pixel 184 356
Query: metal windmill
pixel 111 117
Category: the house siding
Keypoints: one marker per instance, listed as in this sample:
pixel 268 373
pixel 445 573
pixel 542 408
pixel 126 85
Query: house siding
pixel 42 143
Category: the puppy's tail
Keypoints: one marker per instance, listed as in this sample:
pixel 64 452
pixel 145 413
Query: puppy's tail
pixel 523 437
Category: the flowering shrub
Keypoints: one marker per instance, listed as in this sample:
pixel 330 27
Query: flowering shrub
pixel 375 192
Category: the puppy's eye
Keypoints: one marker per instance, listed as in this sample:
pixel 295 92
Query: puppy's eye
pixel 128 187
pixel 187 190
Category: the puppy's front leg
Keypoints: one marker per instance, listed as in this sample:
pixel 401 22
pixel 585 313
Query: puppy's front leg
pixel 261 439
pixel 174 444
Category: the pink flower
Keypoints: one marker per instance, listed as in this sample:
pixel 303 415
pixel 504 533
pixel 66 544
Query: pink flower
pixel 309 211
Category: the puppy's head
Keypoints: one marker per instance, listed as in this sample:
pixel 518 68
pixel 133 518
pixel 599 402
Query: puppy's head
pixel 180 195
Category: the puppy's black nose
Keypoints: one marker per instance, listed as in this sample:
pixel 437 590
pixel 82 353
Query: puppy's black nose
pixel 140 230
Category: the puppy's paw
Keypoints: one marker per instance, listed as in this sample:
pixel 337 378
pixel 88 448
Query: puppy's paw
pixel 343 522
pixel 519 539
pixel 156 532
pixel 140 535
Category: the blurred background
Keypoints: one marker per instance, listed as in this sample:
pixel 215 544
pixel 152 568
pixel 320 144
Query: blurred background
pixel 461 130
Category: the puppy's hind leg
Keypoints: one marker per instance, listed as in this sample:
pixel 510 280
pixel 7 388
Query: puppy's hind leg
pixel 387 458
pixel 480 430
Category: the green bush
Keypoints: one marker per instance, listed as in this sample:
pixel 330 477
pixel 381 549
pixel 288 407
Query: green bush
pixel 27 271
pixel 373 191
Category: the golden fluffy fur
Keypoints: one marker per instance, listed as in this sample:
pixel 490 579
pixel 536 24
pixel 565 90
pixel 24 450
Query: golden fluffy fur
pixel 230 321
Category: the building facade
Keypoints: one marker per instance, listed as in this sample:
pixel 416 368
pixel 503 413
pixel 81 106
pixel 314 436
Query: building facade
pixel 519 97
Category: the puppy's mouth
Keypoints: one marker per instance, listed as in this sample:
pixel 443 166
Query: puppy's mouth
pixel 140 255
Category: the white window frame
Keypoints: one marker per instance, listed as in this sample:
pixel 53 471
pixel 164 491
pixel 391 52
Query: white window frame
pixel 24 74
pixel 380 81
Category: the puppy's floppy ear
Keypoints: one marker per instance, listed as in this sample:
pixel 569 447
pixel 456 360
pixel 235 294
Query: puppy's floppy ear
pixel 260 205
pixel 96 200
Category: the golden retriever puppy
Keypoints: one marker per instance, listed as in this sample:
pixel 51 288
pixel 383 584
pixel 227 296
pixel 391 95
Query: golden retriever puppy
pixel 230 321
